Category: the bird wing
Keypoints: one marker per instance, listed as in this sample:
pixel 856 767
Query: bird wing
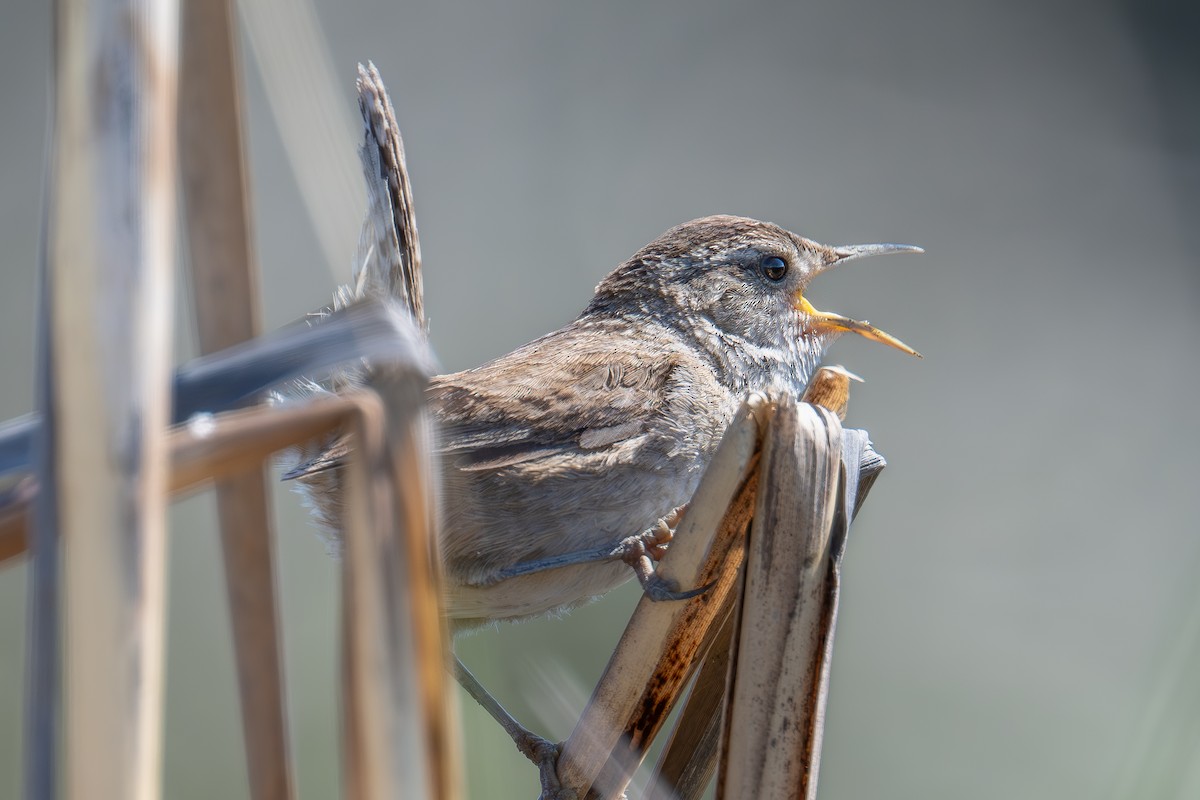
pixel 538 402
pixel 560 394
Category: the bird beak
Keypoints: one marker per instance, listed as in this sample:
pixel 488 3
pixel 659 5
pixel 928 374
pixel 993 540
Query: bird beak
pixel 826 321
pixel 849 252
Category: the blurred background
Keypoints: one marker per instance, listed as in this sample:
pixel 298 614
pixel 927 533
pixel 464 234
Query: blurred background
pixel 1021 609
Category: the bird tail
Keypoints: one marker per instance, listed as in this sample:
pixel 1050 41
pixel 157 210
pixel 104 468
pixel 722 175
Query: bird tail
pixel 387 266
pixel 388 261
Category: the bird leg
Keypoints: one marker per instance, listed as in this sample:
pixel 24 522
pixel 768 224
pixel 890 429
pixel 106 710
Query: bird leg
pixel 542 752
pixel 639 551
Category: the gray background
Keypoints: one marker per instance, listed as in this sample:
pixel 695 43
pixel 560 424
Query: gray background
pixel 1021 614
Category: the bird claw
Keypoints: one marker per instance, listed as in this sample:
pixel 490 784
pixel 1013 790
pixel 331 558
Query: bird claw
pixel 651 544
pixel 660 589
pixel 641 551
pixel 659 535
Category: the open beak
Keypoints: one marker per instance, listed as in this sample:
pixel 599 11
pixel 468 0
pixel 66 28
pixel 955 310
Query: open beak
pixel 824 320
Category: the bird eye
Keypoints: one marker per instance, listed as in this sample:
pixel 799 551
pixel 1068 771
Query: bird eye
pixel 774 268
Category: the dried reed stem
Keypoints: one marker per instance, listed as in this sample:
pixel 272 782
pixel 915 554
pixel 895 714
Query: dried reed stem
pixel 110 257
pixel 397 732
pixel 779 672
pixel 226 380
pixel 225 290
pixel 689 759
pixel 658 651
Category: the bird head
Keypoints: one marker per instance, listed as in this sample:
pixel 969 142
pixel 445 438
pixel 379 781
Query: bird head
pixel 746 279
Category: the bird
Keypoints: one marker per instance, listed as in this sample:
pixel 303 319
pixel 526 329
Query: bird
pixel 570 460
pixel 571 457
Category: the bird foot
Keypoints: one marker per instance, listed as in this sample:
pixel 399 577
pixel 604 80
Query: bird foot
pixel 651 543
pixel 544 754
pixel 641 551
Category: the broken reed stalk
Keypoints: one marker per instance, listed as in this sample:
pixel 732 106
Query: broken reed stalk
pixel 228 380
pixel 773 715
pixel 105 400
pixel 804 503
pixel 225 288
pixel 398 732
pixel 399 726
pixel 223 445
pixel 402 682
pixel 658 651
pixel 398 729
pixel 689 758
pixel 401 733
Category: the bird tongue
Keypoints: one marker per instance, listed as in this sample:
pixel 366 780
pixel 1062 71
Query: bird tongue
pixel 828 320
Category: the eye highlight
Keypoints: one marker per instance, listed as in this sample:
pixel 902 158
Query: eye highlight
pixel 774 267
